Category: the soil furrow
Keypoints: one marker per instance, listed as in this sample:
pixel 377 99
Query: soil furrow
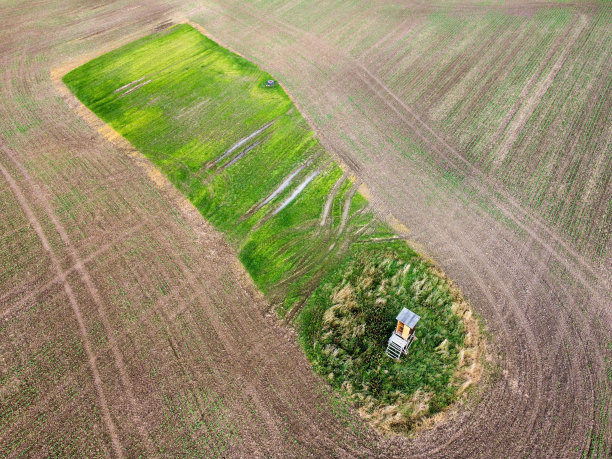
pixel 95 296
pixel 75 307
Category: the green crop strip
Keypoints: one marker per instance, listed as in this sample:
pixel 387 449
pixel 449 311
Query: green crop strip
pixel 244 156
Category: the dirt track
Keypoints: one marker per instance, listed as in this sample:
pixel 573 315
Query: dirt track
pixel 135 302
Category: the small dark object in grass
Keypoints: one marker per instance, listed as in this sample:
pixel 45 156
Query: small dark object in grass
pixel 270 83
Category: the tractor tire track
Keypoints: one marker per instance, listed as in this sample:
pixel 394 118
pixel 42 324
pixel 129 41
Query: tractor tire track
pixel 93 292
pixel 16 307
pixel 346 208
pixel 528 100
pixel 108 421
pixel 509 206
pixel 533 288
pixel 330 200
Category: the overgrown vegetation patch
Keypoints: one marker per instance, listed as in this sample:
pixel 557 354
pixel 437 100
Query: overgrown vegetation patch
pixel 346 324
pixel 249 162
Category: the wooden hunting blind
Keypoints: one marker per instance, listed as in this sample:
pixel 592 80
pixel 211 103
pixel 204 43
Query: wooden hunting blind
pixel 403 335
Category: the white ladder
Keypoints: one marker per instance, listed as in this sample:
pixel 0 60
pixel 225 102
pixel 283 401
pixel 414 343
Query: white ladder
pixel 395 346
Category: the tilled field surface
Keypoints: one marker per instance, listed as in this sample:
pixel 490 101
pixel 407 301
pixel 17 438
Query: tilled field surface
pixel 127 325
pixel 544 296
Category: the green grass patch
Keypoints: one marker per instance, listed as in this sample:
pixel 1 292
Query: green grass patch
pixel 345 326
pixel 249 162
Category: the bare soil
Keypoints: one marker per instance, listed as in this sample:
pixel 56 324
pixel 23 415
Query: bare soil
pixel 545 302
pixel 143 333
pixel 128 326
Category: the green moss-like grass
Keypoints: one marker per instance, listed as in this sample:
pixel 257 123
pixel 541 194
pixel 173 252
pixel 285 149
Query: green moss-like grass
pixel 183 101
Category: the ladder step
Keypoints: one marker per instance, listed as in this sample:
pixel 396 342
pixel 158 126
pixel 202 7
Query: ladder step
pixel 394 349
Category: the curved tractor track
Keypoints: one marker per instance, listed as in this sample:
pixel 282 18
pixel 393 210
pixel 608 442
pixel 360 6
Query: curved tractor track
pixel 547 304
pixel 127 325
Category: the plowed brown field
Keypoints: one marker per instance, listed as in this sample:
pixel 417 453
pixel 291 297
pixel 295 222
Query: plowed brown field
pixel 127 325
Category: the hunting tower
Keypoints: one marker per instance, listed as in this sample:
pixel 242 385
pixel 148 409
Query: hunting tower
pixel 403 335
